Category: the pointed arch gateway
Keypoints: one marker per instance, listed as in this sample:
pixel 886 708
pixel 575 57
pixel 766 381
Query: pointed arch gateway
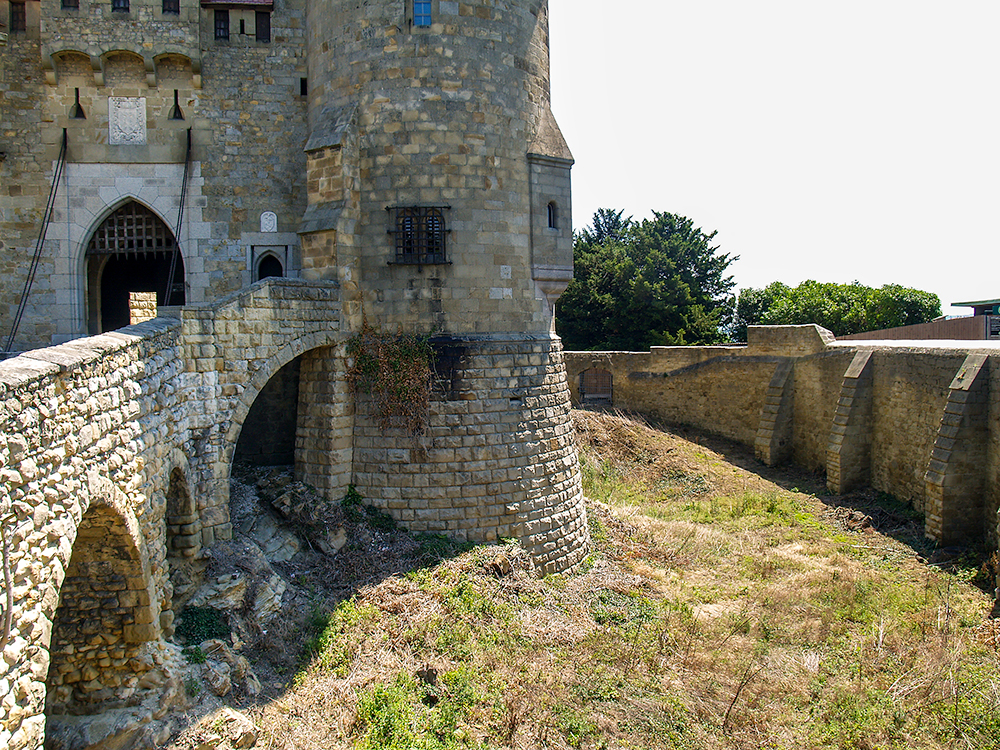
pixel 133 250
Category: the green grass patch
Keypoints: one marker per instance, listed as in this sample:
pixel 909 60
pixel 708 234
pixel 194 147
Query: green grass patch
pixel 198 624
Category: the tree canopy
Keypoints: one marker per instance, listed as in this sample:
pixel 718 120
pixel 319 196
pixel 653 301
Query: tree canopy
pixel 641 284
pixel 843 309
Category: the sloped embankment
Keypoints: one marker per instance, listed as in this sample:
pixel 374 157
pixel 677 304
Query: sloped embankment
pixel 723 606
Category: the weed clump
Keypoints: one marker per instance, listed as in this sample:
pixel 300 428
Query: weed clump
pixel 356 510
pixel 198 624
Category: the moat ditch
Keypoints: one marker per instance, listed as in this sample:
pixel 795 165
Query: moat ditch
pixel 722 606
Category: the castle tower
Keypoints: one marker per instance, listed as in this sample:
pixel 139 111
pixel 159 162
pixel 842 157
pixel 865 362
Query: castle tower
pixel 439 195
pixel 459 200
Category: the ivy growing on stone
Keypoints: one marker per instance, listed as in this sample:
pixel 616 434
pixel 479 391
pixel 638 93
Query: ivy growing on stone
pixel 396 371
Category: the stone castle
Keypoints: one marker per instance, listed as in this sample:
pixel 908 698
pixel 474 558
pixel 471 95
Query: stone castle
pixel 270 175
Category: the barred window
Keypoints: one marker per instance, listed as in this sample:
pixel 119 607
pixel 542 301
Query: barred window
pixel 119 5
pixel 419 234
pixel 172 6
pixel 263 26
pixel 222 24
pixel 421 12
pixel 18 17
pixel 71 4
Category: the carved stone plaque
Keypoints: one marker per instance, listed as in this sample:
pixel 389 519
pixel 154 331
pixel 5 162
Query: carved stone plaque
pixel 126 120
pixel 268 222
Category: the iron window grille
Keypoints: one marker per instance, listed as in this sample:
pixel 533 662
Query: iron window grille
pixel 71 4
pixel 222 24
pixel 419 234
pixel 172 7
pixel 120 6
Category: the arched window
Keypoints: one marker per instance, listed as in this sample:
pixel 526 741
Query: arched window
pixel 553 215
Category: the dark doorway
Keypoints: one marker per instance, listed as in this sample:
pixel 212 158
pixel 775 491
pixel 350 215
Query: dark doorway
pixel 269 266
pixel 596 385
pixel 132 251
pixel 268 434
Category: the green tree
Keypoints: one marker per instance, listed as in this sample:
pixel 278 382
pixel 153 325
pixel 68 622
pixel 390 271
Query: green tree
pixel 636 285
pixel 843 309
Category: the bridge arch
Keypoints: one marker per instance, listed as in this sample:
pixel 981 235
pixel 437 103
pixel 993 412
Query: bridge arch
pixel 267 369
pixel 105 612
pixel 182 529
pixel 320 379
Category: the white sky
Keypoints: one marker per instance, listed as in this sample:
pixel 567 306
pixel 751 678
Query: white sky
pixel 838 141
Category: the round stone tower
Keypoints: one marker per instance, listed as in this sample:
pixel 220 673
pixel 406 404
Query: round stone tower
pixel 439 195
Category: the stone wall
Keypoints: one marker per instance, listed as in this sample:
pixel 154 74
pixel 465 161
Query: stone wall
pixel 910 394
pixel 77 426
pixel 497 458
pixel 815 378
pixel 25 174
pixel 111 447
pixel 917 422
pixel 688 385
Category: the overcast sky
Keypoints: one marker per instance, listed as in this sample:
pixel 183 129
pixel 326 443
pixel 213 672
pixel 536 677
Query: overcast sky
pixel 834 141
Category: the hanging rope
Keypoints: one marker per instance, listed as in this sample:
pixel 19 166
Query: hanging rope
pixel 180 220
pixel 8 586
pixel 33 269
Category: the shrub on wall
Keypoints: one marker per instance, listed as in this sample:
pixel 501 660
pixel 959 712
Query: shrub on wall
pixel 396 370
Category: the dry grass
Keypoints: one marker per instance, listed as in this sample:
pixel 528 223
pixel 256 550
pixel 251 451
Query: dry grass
pixel 721 608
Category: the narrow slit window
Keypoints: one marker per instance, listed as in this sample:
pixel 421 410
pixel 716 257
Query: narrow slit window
pixel 77 113
pixel 553 215
pixel 303 86
pixel 175 112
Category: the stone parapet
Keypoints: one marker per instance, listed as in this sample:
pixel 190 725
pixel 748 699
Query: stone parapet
pixel 912 419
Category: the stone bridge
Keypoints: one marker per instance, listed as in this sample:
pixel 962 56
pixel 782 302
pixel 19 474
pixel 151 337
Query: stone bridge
pixel 116 453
